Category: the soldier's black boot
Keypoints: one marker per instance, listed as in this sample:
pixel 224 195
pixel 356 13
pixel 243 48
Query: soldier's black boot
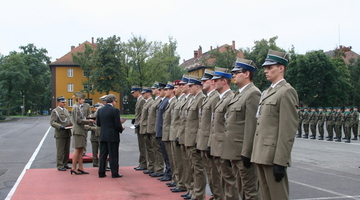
pixel 338 139
pixel 347 140
pixel 306 136
pixel 312 137
pixel 355 138
pixel 327 137
pixel 298 135
pixel 330 139
pixel 321 137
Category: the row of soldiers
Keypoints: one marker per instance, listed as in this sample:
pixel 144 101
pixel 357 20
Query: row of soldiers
pixel 196 130
pixel 335 119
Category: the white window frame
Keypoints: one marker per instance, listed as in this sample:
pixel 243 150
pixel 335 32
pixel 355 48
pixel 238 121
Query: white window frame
pixel 70 87
pixel 88 85
pixel 70 102
pixel 70 72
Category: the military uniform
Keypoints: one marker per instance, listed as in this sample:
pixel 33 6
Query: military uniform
pixel 321 120
pixel 151 125
pixel 355 122
pixel 300 117
pixel 306 121
pixel 191 129
pixel 276 128
pixel 60 118
pixel 329 124
pixel 216 139
pixel 141 141
pixel 203 134
pixel 313 123
pixel 347 121
pixel 338 118
pixel 149 148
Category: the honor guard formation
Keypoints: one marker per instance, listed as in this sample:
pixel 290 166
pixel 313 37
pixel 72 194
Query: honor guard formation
pixel 197 131
pixel 337 121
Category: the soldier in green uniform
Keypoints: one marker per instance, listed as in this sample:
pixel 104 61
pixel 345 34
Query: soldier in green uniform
pixel 313 122
pixel 60 118
pixel 338 117
pixel 306 120
pixel 347 121
pixel 355 122
pixel 321 120
pixel 300 117
pixel 329 123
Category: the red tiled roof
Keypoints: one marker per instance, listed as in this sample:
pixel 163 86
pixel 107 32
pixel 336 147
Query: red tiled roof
pixel 198 62
pixel 67 58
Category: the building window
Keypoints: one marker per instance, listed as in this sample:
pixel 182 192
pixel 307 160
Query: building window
pixel 89 101
pixel 70 102
pixel 86 73
pixel 70 72
pixel 70 87
pixel 88 87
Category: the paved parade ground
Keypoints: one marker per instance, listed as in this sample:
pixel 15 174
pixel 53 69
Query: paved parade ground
pixel 320 169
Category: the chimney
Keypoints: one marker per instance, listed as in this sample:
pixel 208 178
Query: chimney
pixel 200 52
pixel 183 60
pixel 92 40
pixel 233 45
pixel 72 48
pixel 210 48
pixel 195 54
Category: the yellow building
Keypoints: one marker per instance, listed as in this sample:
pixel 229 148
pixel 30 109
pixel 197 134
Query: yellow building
pixel 68 77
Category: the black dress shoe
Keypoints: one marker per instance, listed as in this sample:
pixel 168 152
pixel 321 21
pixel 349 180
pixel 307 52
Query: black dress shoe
pixel 62 169
pixel 102 176
pixel 166 179
pixel 156 174
pixel 184 195
pixel 187 197
pixel 83 172
pixel 355 138
pixel 176 189
pixel 139 168
pixel 117 176
pixel 148 171
pixel 67 167
pixel 172 184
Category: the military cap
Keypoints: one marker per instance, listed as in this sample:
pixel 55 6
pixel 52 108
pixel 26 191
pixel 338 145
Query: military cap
pixel 276 57
pixel 103 98
pixel 169 85
pixel 306 107
pixel 221 73
pixel 79 95
pixel 184 79
pixel 146 89
pixel 194 80
pixel 244 64
pixel 313 108
pixel 61 99
pixel 177 82
pixel 156 85
pixel 97 105
pixel 162 85
pixel 135 88
pixel 208 74
pixel 355 107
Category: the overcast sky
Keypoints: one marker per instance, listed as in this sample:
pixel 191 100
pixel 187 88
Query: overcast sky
pixel 57 25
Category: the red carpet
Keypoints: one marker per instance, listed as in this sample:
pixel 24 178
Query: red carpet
pixel 86 159
pixel 52 184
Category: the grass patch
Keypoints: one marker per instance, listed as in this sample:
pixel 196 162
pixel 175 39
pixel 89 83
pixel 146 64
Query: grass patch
pixel 129 116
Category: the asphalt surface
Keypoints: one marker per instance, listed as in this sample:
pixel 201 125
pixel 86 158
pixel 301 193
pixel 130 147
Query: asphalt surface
pixel 320 169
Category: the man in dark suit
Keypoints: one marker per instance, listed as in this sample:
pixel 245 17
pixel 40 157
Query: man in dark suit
pixel 109 121
pixel 159 131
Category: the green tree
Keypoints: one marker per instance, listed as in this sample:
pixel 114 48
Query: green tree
pixel 224 59
pixel 341 86
pixel 107 75
pixel 38 87
pixel 354 68
pixel 258 54
pixel 14 77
